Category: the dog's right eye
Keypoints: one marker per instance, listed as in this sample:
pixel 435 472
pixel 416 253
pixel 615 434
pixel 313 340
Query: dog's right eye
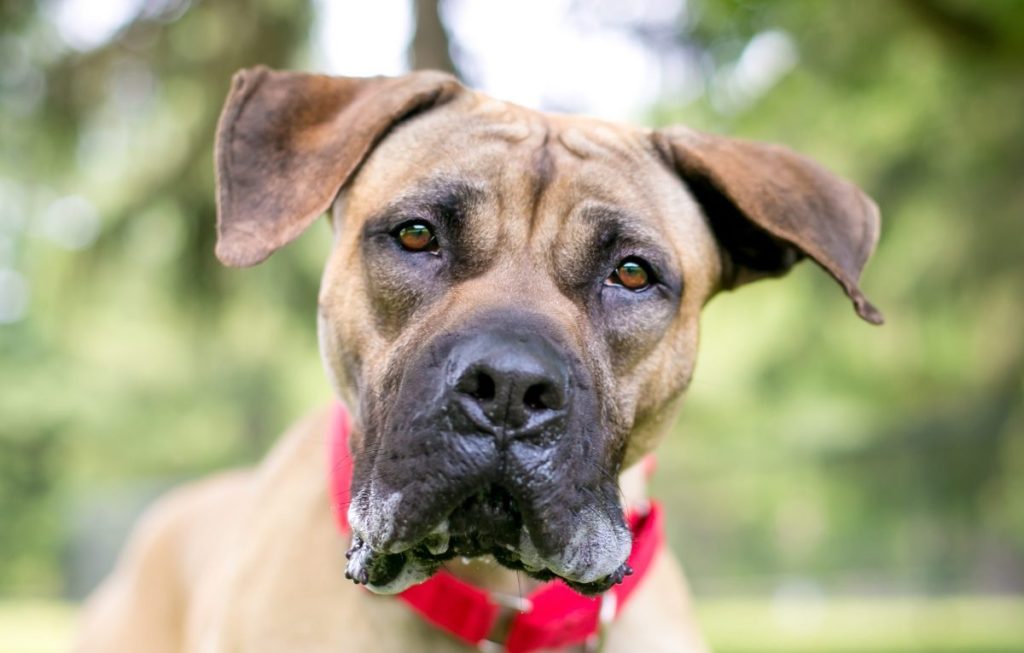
pixel 416 237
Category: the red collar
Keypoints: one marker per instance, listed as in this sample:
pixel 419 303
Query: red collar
pixel 552 617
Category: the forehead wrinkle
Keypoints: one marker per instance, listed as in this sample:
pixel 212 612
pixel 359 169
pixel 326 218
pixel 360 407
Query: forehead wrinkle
pixel 542 167
pixel 511 132
pixel 432 147
pixel 599 140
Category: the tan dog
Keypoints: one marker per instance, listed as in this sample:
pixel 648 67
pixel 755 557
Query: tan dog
pixel 510 311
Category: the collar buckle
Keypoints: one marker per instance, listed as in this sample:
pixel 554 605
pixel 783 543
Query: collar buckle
pixel 511 605
pixel 512 602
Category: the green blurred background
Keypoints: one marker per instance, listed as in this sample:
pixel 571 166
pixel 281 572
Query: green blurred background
pixel 830 486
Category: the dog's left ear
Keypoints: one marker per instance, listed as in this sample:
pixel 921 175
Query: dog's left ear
pixel 769 207
pixel 287 142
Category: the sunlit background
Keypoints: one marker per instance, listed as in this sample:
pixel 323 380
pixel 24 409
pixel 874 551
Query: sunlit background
pixel 830 486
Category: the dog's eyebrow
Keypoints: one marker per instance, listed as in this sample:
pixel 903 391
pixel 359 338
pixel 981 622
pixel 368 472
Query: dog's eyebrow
pixel 614 232
pixel 613 228
pixel 440 200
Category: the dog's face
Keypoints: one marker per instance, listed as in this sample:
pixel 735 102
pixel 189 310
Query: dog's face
pixel 511 304
pixel 505 307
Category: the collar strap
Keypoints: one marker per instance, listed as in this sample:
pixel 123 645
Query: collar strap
pixel 551 617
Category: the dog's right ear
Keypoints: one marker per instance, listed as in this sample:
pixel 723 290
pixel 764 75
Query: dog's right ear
pixel 287 142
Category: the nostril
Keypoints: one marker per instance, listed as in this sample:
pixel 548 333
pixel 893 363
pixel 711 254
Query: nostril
pixel 479 385
pixel 484 386
pixel 541 396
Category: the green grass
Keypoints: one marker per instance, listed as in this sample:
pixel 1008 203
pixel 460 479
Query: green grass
pixel 914 625
pixel 960 625
pixel 36 626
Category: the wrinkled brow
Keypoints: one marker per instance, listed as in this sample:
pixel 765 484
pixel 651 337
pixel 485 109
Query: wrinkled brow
pixel 443 201
pixel 610 230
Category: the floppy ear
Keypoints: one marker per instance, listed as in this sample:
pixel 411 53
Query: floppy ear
pixel 287 142
pixel 769 207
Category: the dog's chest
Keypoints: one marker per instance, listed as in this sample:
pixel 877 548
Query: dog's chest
pixel 289 594
pixel 278 583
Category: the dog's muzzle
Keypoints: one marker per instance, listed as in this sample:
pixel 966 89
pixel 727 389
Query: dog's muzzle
pixel 492 442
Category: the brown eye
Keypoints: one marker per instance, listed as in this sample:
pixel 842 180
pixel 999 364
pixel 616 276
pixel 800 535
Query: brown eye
pixel 417 237
pixel 632 274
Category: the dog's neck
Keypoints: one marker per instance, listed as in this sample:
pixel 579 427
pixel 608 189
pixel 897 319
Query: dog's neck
pixel 485 572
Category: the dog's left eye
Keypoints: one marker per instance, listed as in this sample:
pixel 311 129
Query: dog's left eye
pixel 632 273
pixel 416 237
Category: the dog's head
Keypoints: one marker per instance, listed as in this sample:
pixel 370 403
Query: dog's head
pixel 511 304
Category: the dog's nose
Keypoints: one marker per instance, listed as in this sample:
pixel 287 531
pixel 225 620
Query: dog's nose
pixel 512 380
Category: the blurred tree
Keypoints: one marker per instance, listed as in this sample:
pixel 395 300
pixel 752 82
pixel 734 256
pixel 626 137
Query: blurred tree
pixel 901 448
pixel 102 376
pixel 431 44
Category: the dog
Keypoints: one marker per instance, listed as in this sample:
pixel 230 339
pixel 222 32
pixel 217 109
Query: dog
pixel 510 315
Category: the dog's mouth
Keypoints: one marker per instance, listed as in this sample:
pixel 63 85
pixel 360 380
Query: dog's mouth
pixel 488 522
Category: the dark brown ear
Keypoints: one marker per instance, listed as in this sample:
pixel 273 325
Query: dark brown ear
pixel 769 207
pixel 287 142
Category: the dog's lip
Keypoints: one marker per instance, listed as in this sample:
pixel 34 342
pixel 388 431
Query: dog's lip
pixel 384 570
pixel 484 521
pixel 457 523
pixel 394 572
pixel 402 542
